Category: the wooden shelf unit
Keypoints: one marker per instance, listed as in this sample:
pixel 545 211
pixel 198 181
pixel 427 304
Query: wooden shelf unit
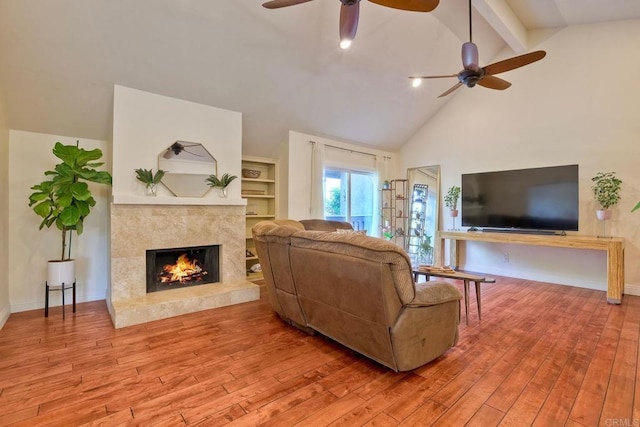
pixel 261 196
pixel 614 246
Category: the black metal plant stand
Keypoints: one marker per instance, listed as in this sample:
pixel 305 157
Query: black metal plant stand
pixel 60 288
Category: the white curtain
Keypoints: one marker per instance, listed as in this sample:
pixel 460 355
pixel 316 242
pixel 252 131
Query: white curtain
pixel 316 206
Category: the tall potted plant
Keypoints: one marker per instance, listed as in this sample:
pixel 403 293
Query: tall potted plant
pixel 606 190
pixel 65 200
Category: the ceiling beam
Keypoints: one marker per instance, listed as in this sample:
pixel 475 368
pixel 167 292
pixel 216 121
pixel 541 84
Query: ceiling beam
pixel 500 16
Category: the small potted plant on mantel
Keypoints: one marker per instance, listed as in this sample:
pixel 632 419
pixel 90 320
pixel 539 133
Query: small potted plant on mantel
pixel 150 179
pixel 606 189
pixel 65 200
pixel 222 183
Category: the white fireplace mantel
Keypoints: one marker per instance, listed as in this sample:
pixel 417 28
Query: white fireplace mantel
pixel 127 199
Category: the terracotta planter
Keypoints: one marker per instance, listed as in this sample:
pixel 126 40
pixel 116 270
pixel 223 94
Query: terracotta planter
pixel 61 272
pixel 454 212
pixel 603 214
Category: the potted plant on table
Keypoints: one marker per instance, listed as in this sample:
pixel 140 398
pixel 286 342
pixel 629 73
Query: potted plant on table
pixel 606 190
pixel 222 183
pixel 451 199
pixel 151 180
pixel 65 200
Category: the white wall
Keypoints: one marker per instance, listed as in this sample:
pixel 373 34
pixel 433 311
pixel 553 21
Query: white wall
pixel 282 154
pixel 580 105
pixel 145 124
pixel 29 157
pixel 5 309
pixel 299 164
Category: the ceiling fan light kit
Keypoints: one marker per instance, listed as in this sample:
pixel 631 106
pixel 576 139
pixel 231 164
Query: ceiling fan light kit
pixel 473 74
pixel 350 12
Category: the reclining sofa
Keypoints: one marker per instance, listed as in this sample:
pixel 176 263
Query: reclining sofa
pixel 357 290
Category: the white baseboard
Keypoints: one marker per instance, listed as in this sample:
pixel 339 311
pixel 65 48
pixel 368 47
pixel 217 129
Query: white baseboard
pixel 5 312
pixel 632 290
pixel 541 276
pixel 54 301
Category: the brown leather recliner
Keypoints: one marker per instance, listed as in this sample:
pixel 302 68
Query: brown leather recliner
pixel 357 290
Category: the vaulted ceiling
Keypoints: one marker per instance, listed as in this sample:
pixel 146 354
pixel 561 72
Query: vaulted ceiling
pixel 281 68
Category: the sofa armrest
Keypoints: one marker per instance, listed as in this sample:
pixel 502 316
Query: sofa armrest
pixel 433 293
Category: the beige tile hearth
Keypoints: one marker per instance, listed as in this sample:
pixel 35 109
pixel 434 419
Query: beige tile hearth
pixel 160 305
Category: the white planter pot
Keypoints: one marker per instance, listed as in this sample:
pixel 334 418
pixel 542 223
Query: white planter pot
pixel 603 214
pixel 61 272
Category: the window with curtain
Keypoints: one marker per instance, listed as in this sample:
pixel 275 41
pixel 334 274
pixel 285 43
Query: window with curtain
pixel 350 196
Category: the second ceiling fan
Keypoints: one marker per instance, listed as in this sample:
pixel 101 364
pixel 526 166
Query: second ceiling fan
pixel 350 12
pixel 473 74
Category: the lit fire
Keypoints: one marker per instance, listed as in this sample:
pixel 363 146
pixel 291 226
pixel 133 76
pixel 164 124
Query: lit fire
pixel 183 271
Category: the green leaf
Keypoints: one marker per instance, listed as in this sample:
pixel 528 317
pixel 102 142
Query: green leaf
pixel 224 181
pixel 80 190
pixel 43 209
pixel 83 207
pixel 86 156
pixel 65 200
pixel 636 207
pixel 37 197
pixel 70 216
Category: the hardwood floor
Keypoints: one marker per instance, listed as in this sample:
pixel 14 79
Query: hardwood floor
pixel 544 355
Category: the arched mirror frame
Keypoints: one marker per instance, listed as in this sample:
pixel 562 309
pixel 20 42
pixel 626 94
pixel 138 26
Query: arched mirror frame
pixel 424 176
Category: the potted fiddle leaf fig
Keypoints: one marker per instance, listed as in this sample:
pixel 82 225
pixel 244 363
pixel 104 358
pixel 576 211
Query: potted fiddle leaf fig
pixel 150 179
pixel 222 183
pixel 65 200
pixel 606 190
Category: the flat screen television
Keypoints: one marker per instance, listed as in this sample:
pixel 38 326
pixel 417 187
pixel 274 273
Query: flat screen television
pixel 524 199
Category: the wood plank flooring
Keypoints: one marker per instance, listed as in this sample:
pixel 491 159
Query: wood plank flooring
pixel 543 355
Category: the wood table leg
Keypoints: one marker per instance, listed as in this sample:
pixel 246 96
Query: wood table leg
pixel 466 299
pixel 478 299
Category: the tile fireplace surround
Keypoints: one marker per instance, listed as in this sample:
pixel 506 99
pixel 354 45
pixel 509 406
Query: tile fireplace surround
pixel 136 228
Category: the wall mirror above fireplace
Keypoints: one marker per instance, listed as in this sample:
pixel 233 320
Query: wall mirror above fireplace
pixel 187 164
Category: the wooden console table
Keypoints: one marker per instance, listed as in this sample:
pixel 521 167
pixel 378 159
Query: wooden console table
pixel 614 246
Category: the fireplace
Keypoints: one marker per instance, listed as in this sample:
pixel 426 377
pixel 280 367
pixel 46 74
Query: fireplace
pixel 182 267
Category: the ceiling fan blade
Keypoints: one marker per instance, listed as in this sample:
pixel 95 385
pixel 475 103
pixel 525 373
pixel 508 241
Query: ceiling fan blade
pixel 515 62
pixel 454 87
pixel 433 77
pixel 410 5
pixel 492 82
pixel 276 4
pixel 349 21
